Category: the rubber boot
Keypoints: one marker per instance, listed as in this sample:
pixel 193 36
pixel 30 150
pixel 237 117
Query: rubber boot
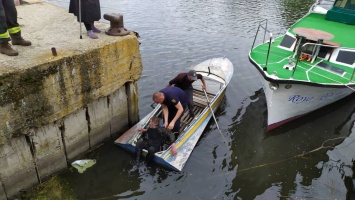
pixel 6 49
pixel 20 41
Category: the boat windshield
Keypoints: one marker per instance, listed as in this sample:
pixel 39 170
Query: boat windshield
pixel 214 69
pixel 323 5
pixel 347 4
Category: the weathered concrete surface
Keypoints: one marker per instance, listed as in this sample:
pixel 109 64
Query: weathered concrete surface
pixel 131 90
pixel 119 109
pixel 49 150
pixel 76 134
pixel 37 88
pixel 99 121
pixel 17 166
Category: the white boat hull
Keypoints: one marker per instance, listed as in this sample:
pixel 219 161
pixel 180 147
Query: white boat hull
pixel 284 104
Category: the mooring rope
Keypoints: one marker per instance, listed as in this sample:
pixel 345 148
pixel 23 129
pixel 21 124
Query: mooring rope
pixel 297 156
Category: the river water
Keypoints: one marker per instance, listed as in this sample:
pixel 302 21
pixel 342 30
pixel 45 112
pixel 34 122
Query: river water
pixel 310 158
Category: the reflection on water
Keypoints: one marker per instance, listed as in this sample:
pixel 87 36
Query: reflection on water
pixel 294 163
pixel 287 163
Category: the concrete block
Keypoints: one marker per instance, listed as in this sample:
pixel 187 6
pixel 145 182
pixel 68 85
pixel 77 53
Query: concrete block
pixel 16 162
pixel 99 116
pixel 132 98
pixel 49 150
pixel 76 134
pixel 118 111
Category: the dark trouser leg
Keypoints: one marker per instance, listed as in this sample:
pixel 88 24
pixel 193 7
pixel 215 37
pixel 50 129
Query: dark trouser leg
pixel 176 128
pixel 11 18
pixel 172 113
pixel 150 155
pixel 4 36
pixel 139 147
pixel 5 48
pixel 88 26
pixel 190 101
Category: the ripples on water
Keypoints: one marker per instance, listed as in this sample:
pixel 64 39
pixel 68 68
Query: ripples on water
pixel 254 164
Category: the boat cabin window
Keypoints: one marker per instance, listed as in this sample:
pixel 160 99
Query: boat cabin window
pixel 323 52
pixel 348 4
pixel 347 57
pixel 331 68
pixel 287 41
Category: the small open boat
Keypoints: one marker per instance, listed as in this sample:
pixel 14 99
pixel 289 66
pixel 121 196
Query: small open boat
pixel 217 73
pixel 311 65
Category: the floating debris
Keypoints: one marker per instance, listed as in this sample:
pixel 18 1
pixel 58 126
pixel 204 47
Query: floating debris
pixel 82 165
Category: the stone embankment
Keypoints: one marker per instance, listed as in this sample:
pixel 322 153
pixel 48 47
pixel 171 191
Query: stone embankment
pixel 54 109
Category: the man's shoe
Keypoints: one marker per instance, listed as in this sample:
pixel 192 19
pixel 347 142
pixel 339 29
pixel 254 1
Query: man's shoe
pixel 20 41
pixel 6 49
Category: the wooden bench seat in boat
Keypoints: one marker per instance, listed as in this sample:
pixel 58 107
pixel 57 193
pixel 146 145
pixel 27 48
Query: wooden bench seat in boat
pixel 200 103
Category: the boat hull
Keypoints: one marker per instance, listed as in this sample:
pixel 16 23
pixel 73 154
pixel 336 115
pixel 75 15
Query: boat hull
pixel 187 142
pixel 290 101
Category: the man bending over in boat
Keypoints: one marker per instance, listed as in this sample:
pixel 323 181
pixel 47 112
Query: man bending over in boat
pixel 184 81
pixel 173 103
pixel 153 139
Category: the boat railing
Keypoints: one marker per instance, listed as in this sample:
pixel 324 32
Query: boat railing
pixel 261 26
pixel 263 22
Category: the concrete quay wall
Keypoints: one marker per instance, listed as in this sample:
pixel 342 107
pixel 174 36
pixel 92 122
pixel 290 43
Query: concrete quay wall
pixel 54 109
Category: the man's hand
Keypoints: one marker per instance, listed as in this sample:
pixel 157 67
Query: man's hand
pixel 203 87
pixel 171 125
pixel 173 149
pixel 17 2
pixel 141 130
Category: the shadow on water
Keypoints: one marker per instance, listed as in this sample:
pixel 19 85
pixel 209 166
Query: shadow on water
pixel 212 124
pixel 288 162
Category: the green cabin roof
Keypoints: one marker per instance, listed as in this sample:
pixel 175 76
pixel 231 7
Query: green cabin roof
pixel 344 35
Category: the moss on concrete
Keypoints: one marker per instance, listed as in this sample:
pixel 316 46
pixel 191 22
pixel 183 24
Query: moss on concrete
pixel 49 91
pixel 55 188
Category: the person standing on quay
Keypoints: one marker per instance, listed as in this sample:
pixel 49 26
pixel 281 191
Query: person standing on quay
pixel 90 12
pixel 9 28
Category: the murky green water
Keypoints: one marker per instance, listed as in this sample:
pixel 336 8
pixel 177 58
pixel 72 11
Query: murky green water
pixel 310 158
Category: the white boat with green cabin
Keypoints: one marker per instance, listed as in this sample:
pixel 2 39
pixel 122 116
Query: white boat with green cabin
pixel 311 65
pixel 217 73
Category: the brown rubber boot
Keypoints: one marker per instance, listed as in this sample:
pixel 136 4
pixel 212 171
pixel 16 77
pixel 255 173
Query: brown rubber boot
pixel 6 49
pixel 20 41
